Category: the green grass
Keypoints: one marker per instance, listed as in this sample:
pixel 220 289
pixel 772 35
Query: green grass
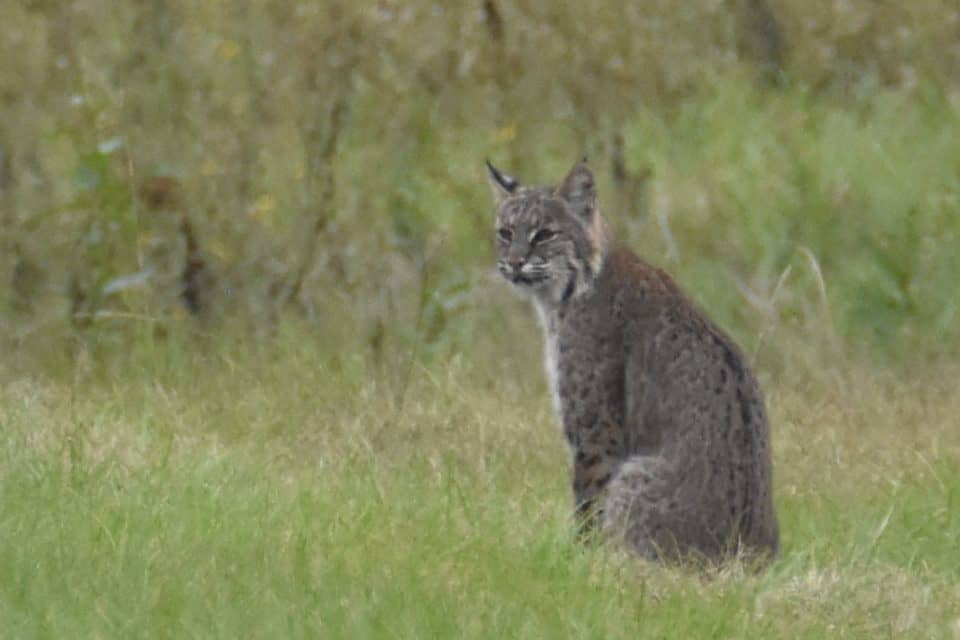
pixel 373 454
pixel 194 490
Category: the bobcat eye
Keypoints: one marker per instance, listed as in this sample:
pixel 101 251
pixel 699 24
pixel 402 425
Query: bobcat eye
pixel 505 234
pixel 543 235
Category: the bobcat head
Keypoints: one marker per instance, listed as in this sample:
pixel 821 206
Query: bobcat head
pixel 550 241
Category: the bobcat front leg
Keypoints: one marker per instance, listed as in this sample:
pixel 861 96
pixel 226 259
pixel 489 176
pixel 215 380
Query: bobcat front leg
pixel 592 471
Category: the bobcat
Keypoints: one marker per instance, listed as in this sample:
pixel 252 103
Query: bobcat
pixel 665 421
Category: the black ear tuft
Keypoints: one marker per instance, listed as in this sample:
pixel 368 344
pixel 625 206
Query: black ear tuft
pixel 502 185
pixel 579 191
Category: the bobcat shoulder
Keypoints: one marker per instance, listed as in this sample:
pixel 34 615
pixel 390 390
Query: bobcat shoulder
pixel 665 421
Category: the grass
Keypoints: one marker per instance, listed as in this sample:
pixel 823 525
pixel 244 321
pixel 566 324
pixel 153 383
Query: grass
pixel 349 436
pixel 195 490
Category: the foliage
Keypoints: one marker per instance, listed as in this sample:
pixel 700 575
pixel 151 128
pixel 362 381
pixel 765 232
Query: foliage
pixel 257 377
pixel 792 162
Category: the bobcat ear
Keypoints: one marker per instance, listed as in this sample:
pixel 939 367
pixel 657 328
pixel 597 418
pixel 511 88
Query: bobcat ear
pixel 579 191
pixel 501 184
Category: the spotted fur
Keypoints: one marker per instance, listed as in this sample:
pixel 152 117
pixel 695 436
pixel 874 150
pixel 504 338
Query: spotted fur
pixel 666 423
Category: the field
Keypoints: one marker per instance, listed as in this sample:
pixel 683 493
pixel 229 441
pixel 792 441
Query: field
pixel 258 378
pixel 242 492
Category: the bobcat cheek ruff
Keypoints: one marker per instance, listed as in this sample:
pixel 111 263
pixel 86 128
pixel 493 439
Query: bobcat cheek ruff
pixel 551 241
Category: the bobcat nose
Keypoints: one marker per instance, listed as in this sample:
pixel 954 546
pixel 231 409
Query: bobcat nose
pixel 516 262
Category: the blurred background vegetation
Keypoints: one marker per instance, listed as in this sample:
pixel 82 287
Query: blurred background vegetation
pixel 244 167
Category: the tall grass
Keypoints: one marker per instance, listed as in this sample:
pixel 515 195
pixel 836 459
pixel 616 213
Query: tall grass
pixel 324 159
pixel 220 494
pixel 257 378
